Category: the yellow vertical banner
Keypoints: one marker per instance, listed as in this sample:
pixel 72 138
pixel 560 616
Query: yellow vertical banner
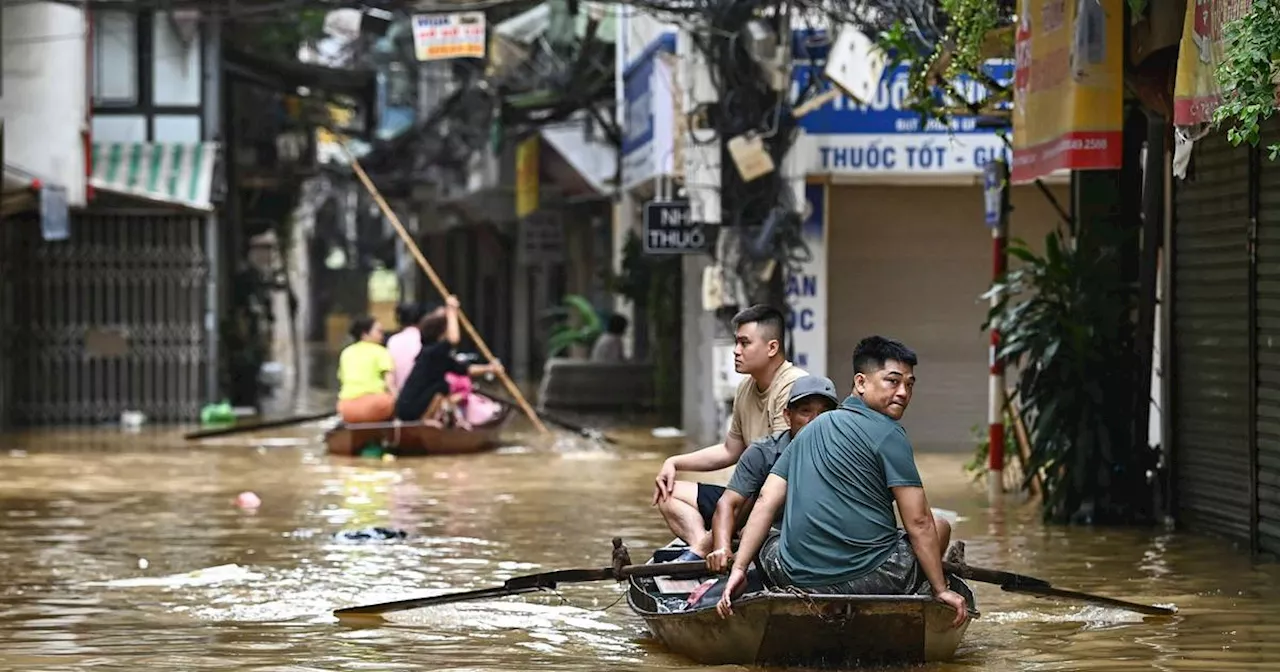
pixel 1195 90
pixel 1068 95
pixel 527 177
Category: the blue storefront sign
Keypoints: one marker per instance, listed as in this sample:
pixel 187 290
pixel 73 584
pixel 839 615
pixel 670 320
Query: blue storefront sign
pixel 884 137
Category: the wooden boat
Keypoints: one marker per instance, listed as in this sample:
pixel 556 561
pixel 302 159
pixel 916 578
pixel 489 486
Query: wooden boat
pixel 785 629
pixel 418 438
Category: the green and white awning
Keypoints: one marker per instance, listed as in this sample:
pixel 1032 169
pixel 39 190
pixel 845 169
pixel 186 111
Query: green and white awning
pixel 178 173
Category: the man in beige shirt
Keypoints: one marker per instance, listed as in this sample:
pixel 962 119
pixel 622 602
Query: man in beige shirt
pixel 688 507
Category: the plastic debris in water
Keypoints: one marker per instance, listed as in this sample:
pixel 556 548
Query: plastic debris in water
pixel 248 500
pixel 132 420
pixel 371 534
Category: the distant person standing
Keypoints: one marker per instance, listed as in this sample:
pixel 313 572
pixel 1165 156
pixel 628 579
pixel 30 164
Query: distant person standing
pixel 405 344
pixel 367 387
pixel 608 347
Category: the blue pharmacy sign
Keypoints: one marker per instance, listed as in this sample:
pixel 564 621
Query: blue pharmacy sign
pixel 884 137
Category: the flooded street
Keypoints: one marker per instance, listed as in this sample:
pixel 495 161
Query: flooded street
pixel 90 527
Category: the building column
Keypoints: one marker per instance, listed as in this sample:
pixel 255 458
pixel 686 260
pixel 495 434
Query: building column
pixel 703 408
pixel 623 223
pixel 521 311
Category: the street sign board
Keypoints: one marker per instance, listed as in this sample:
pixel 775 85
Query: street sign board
pixel 993 179
pixel 439 37
pixel 669 229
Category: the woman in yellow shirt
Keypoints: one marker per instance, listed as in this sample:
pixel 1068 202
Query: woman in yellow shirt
pixel 367 387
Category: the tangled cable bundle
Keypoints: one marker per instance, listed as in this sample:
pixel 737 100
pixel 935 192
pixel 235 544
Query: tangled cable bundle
pixel 762 215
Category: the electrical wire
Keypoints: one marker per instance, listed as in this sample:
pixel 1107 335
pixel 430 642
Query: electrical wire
pixel 763 213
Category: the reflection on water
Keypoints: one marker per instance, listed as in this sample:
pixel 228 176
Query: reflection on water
pixel 123 551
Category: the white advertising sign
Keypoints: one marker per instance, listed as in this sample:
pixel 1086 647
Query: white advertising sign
pixel 438 37
pixel 806 291
pixel 648 136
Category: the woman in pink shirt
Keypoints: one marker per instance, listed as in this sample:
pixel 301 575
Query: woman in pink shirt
pixel 406 343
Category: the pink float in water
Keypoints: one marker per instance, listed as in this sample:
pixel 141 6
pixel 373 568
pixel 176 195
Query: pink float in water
pixel 248 500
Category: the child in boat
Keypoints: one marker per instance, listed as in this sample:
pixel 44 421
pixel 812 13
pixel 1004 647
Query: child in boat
pixel 426 394
pixel 367 387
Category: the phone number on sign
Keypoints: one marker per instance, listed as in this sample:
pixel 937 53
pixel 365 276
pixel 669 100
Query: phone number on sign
pixel 1073 145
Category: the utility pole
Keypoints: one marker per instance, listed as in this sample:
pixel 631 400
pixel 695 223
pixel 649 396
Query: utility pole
pixel 996 201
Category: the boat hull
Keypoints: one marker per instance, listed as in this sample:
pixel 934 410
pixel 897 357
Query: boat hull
pixel 416 438
pixel 784 629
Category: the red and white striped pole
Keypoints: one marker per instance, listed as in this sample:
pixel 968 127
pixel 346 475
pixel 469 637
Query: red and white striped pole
pixel 997 202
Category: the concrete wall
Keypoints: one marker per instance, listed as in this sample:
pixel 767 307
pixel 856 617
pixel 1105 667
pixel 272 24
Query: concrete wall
pixel 45 99
pixel 701 417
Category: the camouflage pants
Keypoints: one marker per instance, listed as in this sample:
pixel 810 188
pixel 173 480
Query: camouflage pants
pixel 899 574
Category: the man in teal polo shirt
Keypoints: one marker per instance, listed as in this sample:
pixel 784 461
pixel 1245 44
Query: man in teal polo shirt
pixel 839 480
pixel 811 396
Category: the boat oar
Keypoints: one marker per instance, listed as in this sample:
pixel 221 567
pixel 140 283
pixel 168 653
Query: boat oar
pixel 268 424
pixel 1019 583
pixel 532 583
pixel 465 323
pixel 561 422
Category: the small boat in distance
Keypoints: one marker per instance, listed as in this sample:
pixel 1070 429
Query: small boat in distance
pixel 789 629
pixel 420 439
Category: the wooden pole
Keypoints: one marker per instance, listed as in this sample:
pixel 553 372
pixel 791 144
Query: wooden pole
pixel 444 291
pixel 1024 441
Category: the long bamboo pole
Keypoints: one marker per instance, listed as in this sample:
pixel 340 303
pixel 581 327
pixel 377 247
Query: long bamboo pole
pixel 444 291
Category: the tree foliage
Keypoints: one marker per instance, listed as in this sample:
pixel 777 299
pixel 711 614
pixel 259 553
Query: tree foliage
pixel 1248 73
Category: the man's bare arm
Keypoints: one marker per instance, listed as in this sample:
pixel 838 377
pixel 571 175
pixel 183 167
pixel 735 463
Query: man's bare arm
pixel 917 519
pixel 770 500
pixel 726 517
pixel 711 458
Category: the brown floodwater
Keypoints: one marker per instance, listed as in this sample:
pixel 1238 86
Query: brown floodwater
pixel 100 534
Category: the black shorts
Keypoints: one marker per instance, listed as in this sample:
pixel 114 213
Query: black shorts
pixel 708 497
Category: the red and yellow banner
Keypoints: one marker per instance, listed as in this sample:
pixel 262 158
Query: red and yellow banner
pixel 1068 87
pixel 1196 91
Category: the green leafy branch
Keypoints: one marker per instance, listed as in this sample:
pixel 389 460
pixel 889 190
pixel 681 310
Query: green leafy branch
pixel 970 22
pixel 972 35
pixel 1248 73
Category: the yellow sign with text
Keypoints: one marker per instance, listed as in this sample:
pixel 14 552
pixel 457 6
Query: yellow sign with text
pixel 527 177
pixel 1195 91
pixel 1068 96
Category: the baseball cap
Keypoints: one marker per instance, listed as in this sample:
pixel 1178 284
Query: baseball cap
pixel 811 385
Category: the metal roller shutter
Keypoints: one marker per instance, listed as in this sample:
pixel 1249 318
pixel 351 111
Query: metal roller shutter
pixel 1211 412
pixel 1268 354
pixel 911 263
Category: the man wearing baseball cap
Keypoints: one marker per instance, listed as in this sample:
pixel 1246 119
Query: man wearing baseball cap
pixel 810 397
pixel 839 484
